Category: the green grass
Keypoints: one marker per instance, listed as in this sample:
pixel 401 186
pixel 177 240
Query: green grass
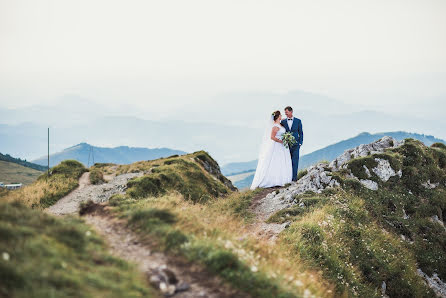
pixel 15 173
pixel 310 202
pixel 96 176
pixel 183 175
pixel 354 235
pixel 68 171
pixel 47 190
pixel 160 224
pixel 51 257
pixel 301 173
pixel 342 239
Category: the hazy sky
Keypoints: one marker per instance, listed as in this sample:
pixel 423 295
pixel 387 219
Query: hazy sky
pixel 160 53
pixel 228 62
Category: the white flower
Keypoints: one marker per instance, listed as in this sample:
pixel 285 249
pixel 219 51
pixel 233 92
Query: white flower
pixel 88 233
pixel 228 244
pixel 254 269
pixel 298 283
pixel 5 256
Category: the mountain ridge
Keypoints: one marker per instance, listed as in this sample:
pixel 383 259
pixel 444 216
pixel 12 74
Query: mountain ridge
pixel 330 152
pixel 22 162
pixel 86 154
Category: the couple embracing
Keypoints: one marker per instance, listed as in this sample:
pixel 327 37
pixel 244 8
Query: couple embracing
pixel 278 164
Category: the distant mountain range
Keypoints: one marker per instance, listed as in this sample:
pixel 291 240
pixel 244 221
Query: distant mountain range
pixel 328 153
pixel 213 125
pixel 87 154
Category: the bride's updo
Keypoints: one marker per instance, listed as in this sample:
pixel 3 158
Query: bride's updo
pixel 276 115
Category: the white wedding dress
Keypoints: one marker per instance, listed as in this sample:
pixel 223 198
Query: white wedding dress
pixel 274 167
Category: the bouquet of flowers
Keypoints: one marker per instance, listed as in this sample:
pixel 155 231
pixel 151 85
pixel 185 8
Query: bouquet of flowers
pixel 288 140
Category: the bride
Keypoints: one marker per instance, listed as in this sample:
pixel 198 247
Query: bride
pixel 274 167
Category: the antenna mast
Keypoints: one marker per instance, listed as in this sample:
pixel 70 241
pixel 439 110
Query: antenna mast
pixel 48 152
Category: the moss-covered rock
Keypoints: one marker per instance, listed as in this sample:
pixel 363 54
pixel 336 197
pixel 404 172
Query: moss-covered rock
pixel 183 174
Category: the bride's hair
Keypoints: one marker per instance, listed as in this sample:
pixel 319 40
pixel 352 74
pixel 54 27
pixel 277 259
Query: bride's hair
pixel 276 115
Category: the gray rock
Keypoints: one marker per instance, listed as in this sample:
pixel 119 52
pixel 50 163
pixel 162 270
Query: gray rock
pixel 367 171
pixel 383 170
pixel 372 185
pixel 429 185
pixel 435 283
pixel 364 150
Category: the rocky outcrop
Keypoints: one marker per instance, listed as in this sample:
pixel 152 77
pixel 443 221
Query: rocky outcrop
pixel 435 283
pixel 364 150
pixel 322 175
pixel 212 167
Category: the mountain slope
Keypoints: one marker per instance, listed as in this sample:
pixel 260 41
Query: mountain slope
pixel 15 173
pixel 328 153
pixel 372 220
pixel 369 224
pixel 118 155
pixel 45 256
pixel 22 162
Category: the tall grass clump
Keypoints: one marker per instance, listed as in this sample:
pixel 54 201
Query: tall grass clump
pixel 48 189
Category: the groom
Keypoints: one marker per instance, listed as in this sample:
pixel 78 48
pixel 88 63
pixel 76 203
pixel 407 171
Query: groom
pixel 294 126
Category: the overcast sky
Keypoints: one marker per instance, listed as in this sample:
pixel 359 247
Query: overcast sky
pixel 142 51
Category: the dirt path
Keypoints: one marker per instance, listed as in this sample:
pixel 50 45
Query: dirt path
pixel 189 280
pixel 260 228
pixel 86 191
pixel 170 274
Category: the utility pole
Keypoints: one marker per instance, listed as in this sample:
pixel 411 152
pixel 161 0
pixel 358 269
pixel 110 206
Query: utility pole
pixel 48 151
pixel 88 162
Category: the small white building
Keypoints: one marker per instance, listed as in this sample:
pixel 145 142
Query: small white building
pixel 11 186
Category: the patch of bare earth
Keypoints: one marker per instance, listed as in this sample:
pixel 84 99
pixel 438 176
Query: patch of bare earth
pixel 86 191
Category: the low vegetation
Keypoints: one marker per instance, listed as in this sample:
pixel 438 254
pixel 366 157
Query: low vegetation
pixel 47 190
pixel 22 162
pixel 15 173
pixel 96 176
pixel 362 239
pixel 346 241
pixel 196 181
pixel 213 231
pixel 43 256
pixel 214 234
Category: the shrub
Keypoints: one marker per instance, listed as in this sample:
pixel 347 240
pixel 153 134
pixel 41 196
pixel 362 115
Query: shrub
pixel 96 176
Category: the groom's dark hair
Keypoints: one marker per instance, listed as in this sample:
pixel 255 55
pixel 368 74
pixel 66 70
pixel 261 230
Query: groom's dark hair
pixel 288 108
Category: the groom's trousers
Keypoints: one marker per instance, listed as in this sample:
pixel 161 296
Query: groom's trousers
pixel 295 160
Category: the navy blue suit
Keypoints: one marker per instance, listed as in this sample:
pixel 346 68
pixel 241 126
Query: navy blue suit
pixel 298 133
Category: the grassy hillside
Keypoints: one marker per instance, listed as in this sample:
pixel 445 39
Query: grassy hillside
pixel 45 191
pixel 346 241
pixel 362 239
pixel 42 256
pixel 186 206
pixel 15 173
pixel 22 162
pixel 357 240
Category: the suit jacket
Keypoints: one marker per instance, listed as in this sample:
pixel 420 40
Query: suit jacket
pixel 296 129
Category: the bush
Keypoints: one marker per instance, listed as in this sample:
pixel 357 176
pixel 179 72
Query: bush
pixel 96 176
